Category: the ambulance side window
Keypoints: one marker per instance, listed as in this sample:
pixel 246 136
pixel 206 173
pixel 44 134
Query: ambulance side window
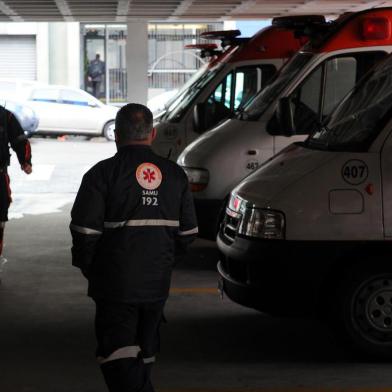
pixel 340 78
pixel 248 81
pixel 341 75
pixel 222 94
pixel 306 100
pixel 320 92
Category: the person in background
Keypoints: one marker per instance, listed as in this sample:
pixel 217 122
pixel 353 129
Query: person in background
pixel 95 74
pixel 132 214
pixel 11 134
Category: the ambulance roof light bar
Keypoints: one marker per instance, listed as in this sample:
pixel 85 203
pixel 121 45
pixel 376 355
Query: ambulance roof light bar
pixel 227 37
pixel 312 26
pixel 206 50
pixel 297 22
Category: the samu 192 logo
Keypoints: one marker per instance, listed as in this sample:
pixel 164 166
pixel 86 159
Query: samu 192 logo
pixel 355 172
pixel 148 176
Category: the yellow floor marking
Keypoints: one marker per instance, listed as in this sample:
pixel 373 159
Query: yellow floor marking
pixel 194 290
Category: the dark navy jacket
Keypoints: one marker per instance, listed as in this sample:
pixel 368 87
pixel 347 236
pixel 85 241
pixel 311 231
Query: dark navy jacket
pixel 11 133
pixel 131 214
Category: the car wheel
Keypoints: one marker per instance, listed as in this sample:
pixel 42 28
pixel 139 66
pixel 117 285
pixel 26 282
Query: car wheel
pixel 108 131
pixel 366 313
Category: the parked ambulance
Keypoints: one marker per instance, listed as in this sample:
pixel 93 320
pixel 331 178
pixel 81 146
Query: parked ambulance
pixel 224 84
pixel 310 232
pixel 314 81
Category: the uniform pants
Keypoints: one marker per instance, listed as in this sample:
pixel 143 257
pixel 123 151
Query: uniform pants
pixel 128 339
pixel 96 88
pixel 5 200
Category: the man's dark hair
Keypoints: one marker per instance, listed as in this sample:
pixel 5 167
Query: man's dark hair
pixel 133 122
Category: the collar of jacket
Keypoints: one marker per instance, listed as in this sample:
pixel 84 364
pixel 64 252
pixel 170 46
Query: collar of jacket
pixel 130 147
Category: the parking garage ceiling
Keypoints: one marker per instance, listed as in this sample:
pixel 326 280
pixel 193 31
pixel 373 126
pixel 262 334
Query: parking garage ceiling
pixel 170 10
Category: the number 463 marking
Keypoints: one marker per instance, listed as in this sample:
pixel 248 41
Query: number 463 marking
pixel 355 172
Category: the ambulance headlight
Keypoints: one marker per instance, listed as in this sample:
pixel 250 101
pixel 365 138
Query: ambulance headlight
pixel 266 224
pixel 198 178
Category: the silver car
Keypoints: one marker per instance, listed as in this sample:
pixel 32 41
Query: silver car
pixel 65 110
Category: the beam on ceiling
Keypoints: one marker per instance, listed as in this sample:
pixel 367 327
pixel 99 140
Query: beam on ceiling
pixel 122 10
pixel 181 9
pixel 7 10
pixel 65 11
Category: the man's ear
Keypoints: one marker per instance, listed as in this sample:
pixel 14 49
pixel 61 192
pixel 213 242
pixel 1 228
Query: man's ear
pixel 153 134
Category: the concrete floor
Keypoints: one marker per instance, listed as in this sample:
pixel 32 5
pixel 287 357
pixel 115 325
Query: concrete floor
pixel 209 344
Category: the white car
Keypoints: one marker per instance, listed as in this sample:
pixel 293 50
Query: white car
pixel 65 110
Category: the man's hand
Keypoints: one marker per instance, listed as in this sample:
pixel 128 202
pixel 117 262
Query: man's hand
pixel 28 169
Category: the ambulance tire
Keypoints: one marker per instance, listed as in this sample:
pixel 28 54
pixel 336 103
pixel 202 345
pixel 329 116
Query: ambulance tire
pixel 365 312
pixel 108 131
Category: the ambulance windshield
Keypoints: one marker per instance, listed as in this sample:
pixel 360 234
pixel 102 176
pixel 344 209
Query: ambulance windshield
pixel 187 85
pixel 358 119
pixel 261 101
pixel 185 97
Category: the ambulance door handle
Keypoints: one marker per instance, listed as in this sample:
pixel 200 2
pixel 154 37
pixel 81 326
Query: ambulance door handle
pixel 252 152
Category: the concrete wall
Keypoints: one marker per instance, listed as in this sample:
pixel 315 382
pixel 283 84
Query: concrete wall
pixel 58 49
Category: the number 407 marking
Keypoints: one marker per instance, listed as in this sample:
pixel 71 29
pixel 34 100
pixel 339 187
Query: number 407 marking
pixel 355 172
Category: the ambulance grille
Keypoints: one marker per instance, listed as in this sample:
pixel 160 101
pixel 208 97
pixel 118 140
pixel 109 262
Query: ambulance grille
pixel 230 225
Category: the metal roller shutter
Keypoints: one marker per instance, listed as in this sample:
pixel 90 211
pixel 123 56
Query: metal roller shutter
pixel 18 57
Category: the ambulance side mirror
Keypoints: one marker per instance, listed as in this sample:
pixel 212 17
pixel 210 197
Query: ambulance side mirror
pixel 199 117
pixel 285 116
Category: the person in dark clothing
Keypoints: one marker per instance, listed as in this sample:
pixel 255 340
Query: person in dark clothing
pixel 132 215
pixel 11 133
pixel 95 74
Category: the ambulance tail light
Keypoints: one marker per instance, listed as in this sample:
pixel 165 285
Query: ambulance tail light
pixel 376 28
pixel 198 178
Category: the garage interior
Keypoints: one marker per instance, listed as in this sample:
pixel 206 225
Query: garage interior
pixel 209 344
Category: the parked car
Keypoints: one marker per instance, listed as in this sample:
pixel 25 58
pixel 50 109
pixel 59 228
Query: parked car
pixel 24 113
pixel 65 110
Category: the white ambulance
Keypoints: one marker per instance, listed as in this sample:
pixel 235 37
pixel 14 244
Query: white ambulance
pixel 310 232
pixel 225 84
pixel 314 82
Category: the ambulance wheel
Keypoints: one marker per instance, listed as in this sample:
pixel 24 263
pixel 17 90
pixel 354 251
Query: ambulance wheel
pixel 108 131
pixel 366 313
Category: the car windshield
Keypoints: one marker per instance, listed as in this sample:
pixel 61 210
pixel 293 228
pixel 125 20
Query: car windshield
pixel 185 97
pixel 359 118
pixel 261 101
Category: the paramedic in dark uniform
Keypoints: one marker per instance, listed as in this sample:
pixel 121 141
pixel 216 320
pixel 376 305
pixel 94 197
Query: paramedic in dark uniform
pixel 11 133
pixel 132 215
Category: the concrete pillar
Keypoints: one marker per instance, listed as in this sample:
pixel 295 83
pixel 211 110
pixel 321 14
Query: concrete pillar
pixel 58 72
pixel 64 53
pixel 42 52
pixel 73 51
pixel 137 61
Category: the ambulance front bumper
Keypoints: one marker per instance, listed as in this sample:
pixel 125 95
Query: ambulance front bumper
pixel 275 277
